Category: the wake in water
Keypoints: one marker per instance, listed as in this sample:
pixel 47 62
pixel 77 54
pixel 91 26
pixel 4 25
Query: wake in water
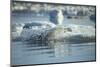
pixel 47 31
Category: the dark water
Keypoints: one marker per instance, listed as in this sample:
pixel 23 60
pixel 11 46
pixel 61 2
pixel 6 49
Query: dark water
pixel 23 53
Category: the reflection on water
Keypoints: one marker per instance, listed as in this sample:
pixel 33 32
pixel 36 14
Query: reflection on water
pixel 60 49
pixel 28 53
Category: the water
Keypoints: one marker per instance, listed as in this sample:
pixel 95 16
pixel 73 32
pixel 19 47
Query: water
pixel 27 17
pixel 24 53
